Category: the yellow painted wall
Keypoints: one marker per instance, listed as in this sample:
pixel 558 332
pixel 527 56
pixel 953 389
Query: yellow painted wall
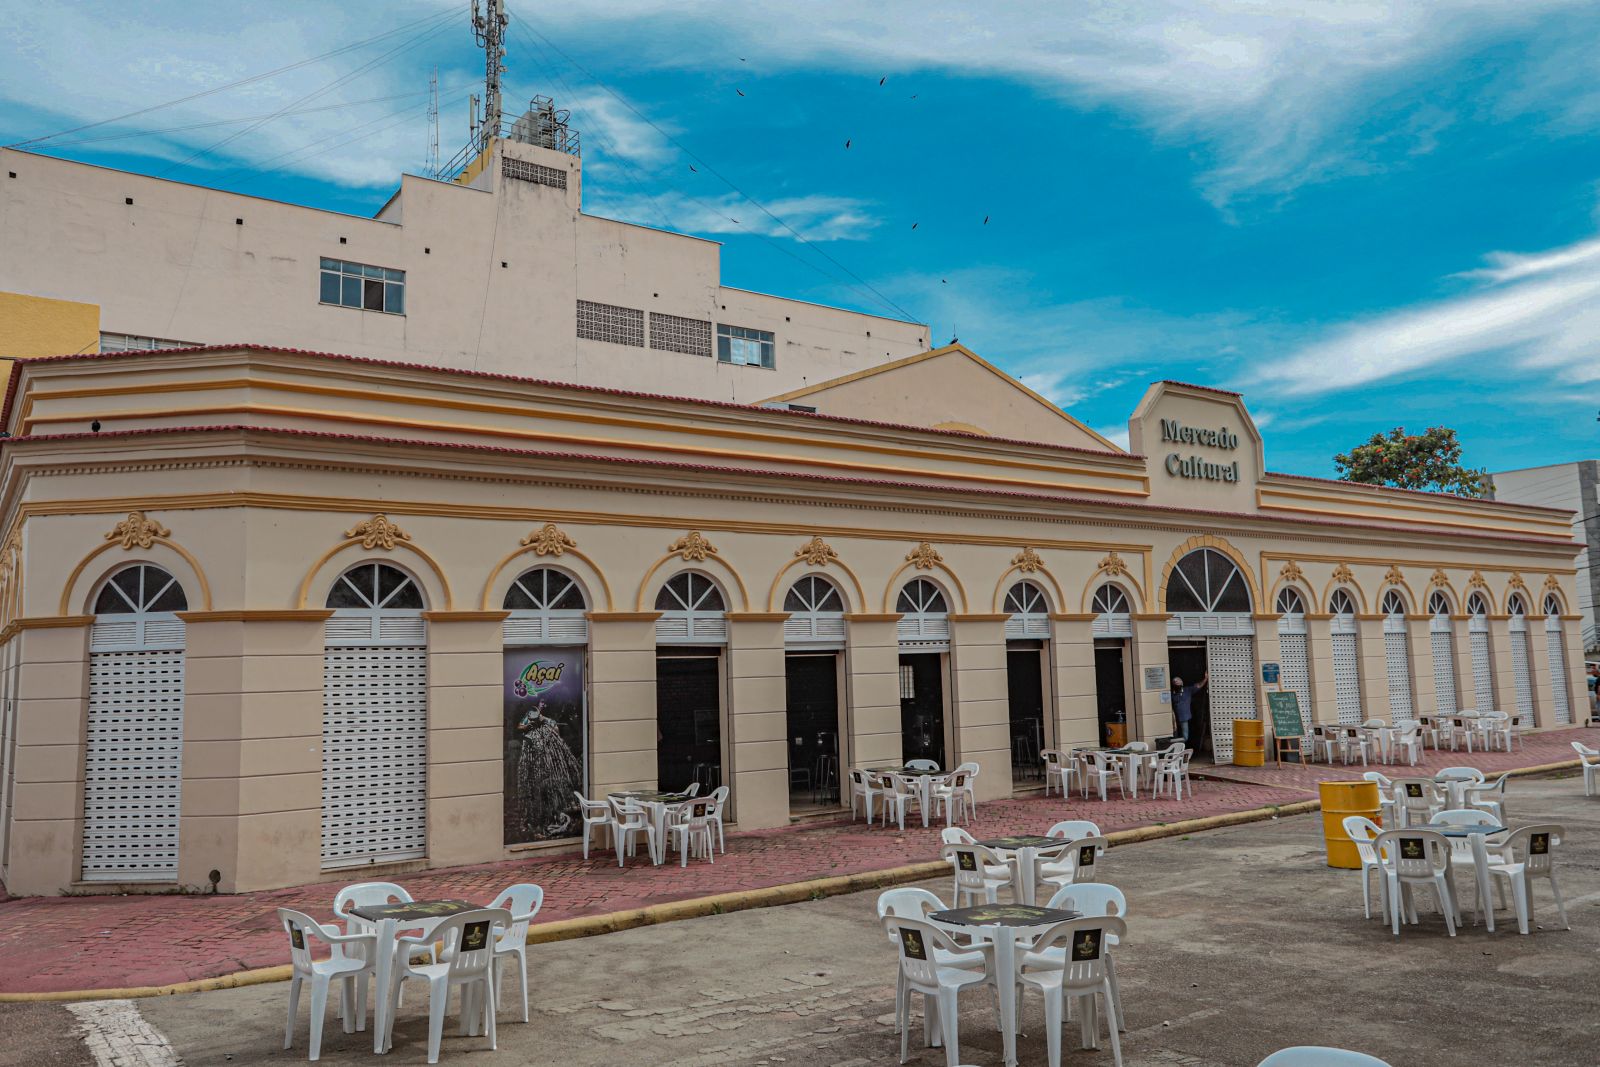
pixel 38 326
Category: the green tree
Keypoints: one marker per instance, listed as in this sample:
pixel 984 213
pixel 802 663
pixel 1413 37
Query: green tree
pixel 1429 461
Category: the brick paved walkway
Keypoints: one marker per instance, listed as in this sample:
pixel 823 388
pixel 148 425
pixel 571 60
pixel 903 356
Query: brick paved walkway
pixel 59 943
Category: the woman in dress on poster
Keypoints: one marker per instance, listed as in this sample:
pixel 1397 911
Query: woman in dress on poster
pixel 548 773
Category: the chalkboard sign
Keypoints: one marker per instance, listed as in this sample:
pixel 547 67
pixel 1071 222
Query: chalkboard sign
pixel 1285 708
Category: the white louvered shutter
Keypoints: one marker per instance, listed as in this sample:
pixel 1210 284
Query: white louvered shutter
pixel 374 753
pixel 1522 674
pixel 1482 675
pixel 1346 679
pixel 1397 665
pixel 1232 688
pixel 1444 671
pixel 1294 663
pixel 1561 704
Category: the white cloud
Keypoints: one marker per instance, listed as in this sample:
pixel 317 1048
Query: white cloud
pixel 816 218
pixel 1117 435
pixel 1537 311
pixel 1274 92
pixel 607 125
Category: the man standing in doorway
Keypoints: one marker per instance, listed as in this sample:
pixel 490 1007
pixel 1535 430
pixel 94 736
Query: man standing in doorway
pixel 1183 702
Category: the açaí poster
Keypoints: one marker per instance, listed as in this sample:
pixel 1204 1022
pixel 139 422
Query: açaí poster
pixel 544 741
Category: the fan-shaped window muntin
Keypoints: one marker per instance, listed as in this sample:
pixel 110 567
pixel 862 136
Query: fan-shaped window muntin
pixel 1290 602
pixel 1393 603
pixel 375 586
pixel 1207 582
pixel 689 591
pixel 544 589
pixel 1341 603
pixel 1477 605
pixel 1438 603
pixel 1516 605
pixel 1025 598
pixel 140 589
pixel 921 597
pixel 813 594
pixel 1552 604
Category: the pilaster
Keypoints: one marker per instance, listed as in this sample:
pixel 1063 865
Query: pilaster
pixel 466 737
pixel 1073 694
pixel 1319 653
pixel 872 689
pixel 1152 716
pixel 1505 684
pixel 980 701
pixel 1374 667
pixel 758 720
pixel 622 700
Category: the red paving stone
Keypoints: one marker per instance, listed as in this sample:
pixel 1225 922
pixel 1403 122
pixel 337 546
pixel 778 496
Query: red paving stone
pixel 99 942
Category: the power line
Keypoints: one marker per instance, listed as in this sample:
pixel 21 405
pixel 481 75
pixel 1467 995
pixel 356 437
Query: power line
pixel 438 16
pixel 718 175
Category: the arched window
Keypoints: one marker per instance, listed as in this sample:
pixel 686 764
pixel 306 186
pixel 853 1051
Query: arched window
pixel 1394 610
pixel 1112 612
pixel 136 609
pixel 1340 603
pixel 1290 602
pixel 816 613
pixel 375 604
pixel 694 611
pixel 1552 604
pixel 1028 610
pixel 1516 605
pixel 547 608
pixel 1438 603
pixel 1477 605
pixel 1292 618
pixel 1556 653
pixel 1207 582
pixel 925 615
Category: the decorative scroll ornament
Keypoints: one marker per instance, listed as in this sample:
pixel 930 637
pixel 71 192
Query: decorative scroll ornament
pixel 1113 565
pixel 1438 578
pixel 923 557
pixel 378 532
pixel 1516 582
pixel 137 531
pixel 1291 572
pixel 1392 576
pixel 692 547
pixel 548 540
pixel 1551 585
pixel 1341 573
pixel 816 552
pixel 1477 582
pixel 1028 562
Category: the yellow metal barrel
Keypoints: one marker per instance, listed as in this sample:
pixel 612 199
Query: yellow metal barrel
pixel 1249 743
pixel 1340 799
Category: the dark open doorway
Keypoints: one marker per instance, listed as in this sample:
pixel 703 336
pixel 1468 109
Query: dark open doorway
pixel 812 682
pixel 1111 692
pixel 1025 690
pixel 922 707
pixel 689 719
pixel 1187 661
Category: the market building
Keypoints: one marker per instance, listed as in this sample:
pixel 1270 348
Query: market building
pixel 269 615
pixel 1573 487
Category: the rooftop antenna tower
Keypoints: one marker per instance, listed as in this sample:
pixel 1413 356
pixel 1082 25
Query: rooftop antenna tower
pixel 433 124
pixel 489 30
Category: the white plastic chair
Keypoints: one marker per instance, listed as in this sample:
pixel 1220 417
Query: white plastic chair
pixel 1073 829
pixel 1590 759
pixel 910 902
pixel 1095 900
pixel 1417 800
pixel 1325 738
pixel 978 873
pixel 367 895
pixel 596 819
pixel 955 835
pixel 467 960
pixel 954 794
pixel 1082 975
pixel 342 963
pixel 1057 771
pixel 896 793
pixel 1169 772
pixel 1413 857
pixel 922 765
pixel 1489 798
pixel 719 807
pixel 1352 742
pixel 1362 831
pixel 861 789
pixel 632 821
pixel 1409 741
pixel 523 901
pixel 1385 795
pixel 1099 768
pixel 1080 863
pixel 695 824
pixel 1320 1056
pixel 1497 728
pixel 1529 853
pixel 920 945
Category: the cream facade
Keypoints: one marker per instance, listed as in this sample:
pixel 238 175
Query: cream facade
pixel 501 272
pixel 757 598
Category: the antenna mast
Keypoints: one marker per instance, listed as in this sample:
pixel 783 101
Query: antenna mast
pixel 433 124
pixel 489 30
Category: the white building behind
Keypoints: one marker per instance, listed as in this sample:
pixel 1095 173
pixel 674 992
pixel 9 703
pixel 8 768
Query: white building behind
pixel 1575 486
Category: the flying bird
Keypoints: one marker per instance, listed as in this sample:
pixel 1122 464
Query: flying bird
pixel 986 220
pixel 847 142
pixel 914 225
pixel 739 91
pixel 883 79
pixel 944 281
pixel 697 171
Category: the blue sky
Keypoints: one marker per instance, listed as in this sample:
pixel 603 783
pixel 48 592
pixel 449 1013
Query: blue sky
pixel 1362 214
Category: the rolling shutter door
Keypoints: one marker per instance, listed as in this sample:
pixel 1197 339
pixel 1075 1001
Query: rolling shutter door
pixel 375 747
pixel 1521 674
pixel 1482 678
pixel 1294 663
pixel 1231 663
pixel 1397 664
pixel 1444 671
pixel 133 767
pixel 1559 682
pixel 1346 679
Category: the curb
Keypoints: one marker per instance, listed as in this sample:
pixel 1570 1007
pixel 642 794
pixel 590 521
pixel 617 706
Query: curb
pixel 723 903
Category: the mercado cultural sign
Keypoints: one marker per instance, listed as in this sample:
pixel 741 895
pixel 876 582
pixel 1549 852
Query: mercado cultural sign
pixel 1196 466
pixel 544 743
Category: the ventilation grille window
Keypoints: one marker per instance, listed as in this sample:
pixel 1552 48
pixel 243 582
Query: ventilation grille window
pixel 1482 674
pixel 1444 670
pixel 1292 654
pixel 1346 679
pixel 1522 675
pixel 1397 663
pixel 536 173
pixel 1231 662
pixel 610 323
pixel 1559 683
pixel 674 333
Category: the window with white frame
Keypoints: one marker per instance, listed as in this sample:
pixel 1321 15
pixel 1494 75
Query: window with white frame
pixel 1290 602
pixel 1438 603
pixel 1341 604
pixel 129 342
pixel 692 611
pixel 1394 603
pixel 1552 604
pixel 744 346
pixel 1516 606
pixel 1476 605
pixel 361 285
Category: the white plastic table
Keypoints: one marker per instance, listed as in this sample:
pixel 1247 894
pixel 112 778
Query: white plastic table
pixel 1001 925
pixel 657 805
pixel 922 781
pixel 386 921
pixel 1021 853
pixel 1479 836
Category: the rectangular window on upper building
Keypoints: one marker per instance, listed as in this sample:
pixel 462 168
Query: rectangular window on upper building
pixel 674 333
pixel 360 285
pixel 129 342
pixel 608 322
pixel 751 348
